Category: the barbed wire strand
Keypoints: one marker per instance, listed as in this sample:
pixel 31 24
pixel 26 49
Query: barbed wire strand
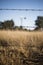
pixel 22 9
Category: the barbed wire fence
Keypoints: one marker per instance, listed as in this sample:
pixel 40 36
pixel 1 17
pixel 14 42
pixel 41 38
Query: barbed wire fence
pixel 22 9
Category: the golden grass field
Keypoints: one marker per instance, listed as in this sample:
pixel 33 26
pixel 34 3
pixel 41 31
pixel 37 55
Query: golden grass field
pixel 17 47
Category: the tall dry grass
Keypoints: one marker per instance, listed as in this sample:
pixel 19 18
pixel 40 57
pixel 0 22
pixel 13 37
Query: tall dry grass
pixel 20 45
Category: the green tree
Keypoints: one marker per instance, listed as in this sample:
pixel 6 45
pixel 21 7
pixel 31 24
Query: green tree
pixel 39 22
pixel 8 24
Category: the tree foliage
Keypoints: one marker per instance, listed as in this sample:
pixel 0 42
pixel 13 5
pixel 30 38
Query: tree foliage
pixel 8 24
pixel 39 22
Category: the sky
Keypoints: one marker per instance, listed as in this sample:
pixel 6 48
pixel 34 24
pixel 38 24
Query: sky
pixel 18 16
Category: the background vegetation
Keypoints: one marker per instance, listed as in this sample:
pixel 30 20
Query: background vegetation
pixel 10 24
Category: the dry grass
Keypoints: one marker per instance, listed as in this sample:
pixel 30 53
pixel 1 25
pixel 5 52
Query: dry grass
pixel 23 45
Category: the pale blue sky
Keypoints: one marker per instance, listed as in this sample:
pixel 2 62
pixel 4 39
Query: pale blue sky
pixel 17 15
